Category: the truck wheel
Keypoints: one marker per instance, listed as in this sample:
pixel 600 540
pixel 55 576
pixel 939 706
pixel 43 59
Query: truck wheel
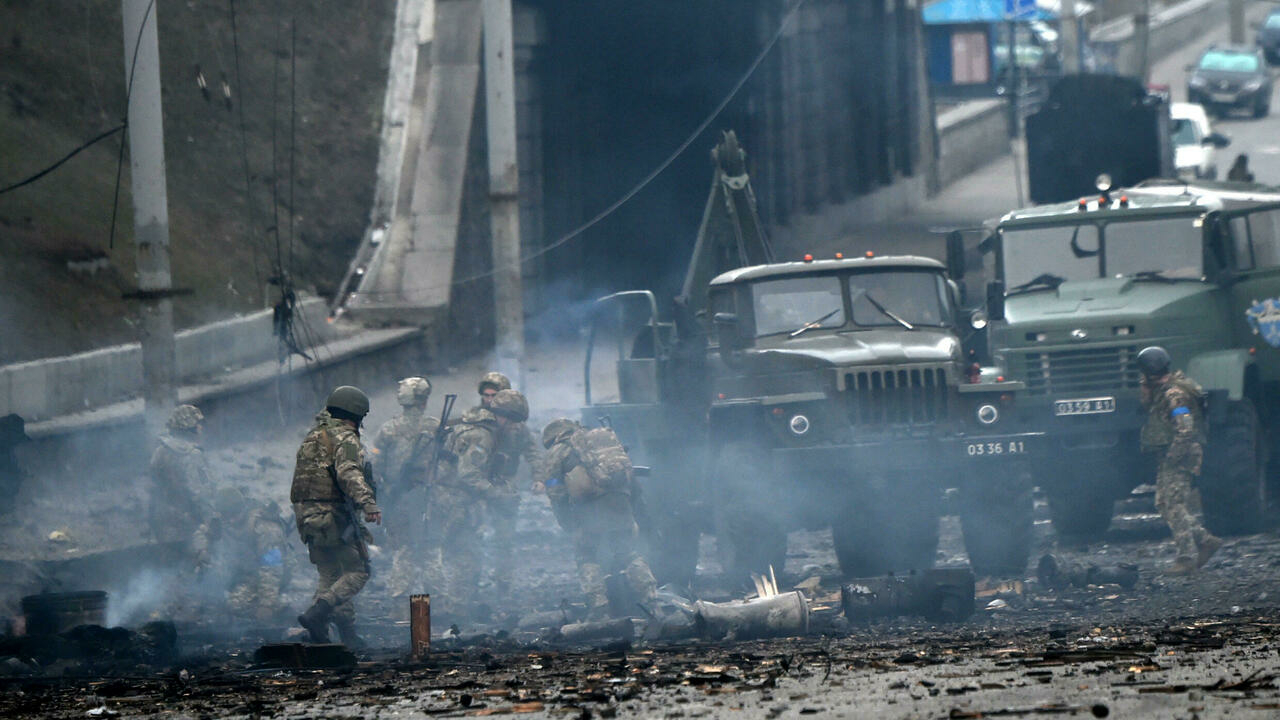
pixel 1080 511
pixel 884 531
pixel 748 537
pixel 673 549
pixel 748 542
pixel 996 516
pixel 1233 482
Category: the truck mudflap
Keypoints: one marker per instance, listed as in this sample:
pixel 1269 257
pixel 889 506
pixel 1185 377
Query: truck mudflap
pixel 914 453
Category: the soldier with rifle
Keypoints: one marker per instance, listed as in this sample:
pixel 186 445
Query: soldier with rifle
pixel 332 487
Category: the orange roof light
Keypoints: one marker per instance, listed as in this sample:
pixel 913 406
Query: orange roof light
pixel 1124 201
pixel 1084 205
pixel 1102 201
pixel 808 257
pixel 870 254
pixel 839 256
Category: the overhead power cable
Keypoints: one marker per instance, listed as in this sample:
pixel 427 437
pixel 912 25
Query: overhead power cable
pixel 84 146
pixel 680 150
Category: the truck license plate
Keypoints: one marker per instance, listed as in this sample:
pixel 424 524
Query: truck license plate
pixel 995 448
pixel 1084 406
pixel 1223 97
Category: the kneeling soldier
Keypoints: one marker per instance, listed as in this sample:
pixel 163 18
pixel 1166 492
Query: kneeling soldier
pixel 590 487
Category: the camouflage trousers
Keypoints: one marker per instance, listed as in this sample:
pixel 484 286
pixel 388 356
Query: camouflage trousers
pixel 452 563
pixel 343 573
pixel 502 515
pixel 604 544
pixel 1176 499
pixel 256 594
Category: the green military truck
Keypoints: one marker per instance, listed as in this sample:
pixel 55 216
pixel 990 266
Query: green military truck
pixel 836 392
pixel 1077 289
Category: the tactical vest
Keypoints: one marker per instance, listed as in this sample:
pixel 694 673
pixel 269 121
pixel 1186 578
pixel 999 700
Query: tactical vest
pixel 1159 431
pixel 603 457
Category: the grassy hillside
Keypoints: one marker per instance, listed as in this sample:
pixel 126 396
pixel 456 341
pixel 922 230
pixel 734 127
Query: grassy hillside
pixel 62 81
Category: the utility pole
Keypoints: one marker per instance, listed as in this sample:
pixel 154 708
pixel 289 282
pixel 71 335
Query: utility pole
pixel 150 210
pixel 504 187
pixel 1142 33
pixel 1070 38
pixel 1237 22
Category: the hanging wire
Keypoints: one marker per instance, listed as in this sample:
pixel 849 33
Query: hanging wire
pixel 124 137
pixel 662 167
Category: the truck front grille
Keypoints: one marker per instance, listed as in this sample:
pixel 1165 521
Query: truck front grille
pixel 910 396
pixel 1087 370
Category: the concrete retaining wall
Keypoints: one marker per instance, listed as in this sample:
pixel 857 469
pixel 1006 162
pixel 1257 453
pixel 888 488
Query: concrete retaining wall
pixel 970 136
pixel 1116 49
pixel 42 389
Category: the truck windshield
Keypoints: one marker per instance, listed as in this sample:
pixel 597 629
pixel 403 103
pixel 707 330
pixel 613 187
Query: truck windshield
pixel 792 303
pixel 1170 247
pixel 895 298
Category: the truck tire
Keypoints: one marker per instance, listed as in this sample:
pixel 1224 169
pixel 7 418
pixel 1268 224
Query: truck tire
pixel 748 538
pixel 996 516
pixel 874 536
pixel 1081 511
pixel 1233 481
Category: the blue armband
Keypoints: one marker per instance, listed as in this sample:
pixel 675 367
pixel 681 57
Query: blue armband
pixel 1180 411
pixel 272 558
pixel 552 482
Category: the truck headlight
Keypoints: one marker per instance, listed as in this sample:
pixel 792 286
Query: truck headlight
pixel 988 414
pixel 978 320
pixel 799 424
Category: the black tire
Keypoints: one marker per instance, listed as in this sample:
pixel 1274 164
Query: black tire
pixel 748 537
pixel 996 516
pixel 1261 109
pixel 890 527
pixel 1233 487
pixel 1080 512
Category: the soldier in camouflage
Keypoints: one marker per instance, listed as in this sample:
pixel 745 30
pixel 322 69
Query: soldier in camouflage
pixel 250 548
pixel 330 486
pixel 515 442
pixel 466 489
pixel 180 507
pixel 1174 430
pixel 590 490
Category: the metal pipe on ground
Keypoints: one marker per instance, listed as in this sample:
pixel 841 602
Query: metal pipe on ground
pixel 1057 573
pixel 944 595
pixel 774 616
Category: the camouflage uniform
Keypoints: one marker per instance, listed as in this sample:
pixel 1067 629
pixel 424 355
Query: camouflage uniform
pixel 1175 430
pixel 179 508
pixel 458 502
pixel 601 521
pixel 324 522
pixel 251 544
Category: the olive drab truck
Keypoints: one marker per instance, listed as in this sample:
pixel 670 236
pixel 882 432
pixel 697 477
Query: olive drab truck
pixel 772 396
pixel 1077 289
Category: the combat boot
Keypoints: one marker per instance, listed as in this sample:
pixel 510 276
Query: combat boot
pixel 347 633
pixel 1182 565
pixel 1208 547
pixel 316 621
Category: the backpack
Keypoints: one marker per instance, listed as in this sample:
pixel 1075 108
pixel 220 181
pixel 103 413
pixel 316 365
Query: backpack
pixel 604 458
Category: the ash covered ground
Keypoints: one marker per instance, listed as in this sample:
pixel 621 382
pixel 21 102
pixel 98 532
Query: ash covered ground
pixel 1199 646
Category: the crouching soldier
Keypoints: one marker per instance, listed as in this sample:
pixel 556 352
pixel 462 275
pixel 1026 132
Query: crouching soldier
pixel 251 543
pixel 329 488
pixel 590 487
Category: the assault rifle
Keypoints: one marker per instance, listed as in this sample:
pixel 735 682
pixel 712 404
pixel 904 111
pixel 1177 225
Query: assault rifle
pixel 437 444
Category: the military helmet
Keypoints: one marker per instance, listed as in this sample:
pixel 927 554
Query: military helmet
pixel 495 380
pixel 1154 361
pixel 349 399
pixel 185 417
pixel 413 391
pixel 511 405
pixel 557 429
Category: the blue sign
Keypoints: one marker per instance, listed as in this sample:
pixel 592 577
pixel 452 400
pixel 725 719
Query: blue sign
pixel 1264 318
pixel 1019 8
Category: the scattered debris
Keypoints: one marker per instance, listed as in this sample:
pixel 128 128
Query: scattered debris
pixel 1057 573
pixel 945 595
pixel 305 655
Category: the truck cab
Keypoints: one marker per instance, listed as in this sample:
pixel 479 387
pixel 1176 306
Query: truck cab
pixel 1079 288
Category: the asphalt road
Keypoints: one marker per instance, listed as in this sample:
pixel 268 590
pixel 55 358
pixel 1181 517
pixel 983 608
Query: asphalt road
pixel 1259 138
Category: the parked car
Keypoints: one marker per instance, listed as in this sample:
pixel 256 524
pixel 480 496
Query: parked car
pixel 1269 37
pixel 1231 77
pixel 1194 142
